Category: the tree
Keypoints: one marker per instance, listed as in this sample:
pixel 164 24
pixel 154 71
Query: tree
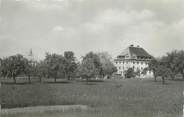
pixel 163 71
pixel 90 66
pixel 78 70
pixel 159 68
pixel 144 71
pixel 88 69
pixel 171 62
pixel 13 66
pixel 138 73
pixel 130 73
pixel 0 67
pixel 180 63
pixel 41 70
pixel 30 69
pixel 70 64
pixel 153 66
pixel 55 65
pixel 174 61
pixel 4 68
pixel 108 67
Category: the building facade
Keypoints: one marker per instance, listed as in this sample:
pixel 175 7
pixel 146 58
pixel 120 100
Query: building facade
pixel 133 57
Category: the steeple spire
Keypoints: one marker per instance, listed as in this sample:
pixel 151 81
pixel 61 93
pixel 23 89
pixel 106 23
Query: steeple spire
pixel 30 55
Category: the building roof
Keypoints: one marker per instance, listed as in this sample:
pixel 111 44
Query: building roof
pixel 133 52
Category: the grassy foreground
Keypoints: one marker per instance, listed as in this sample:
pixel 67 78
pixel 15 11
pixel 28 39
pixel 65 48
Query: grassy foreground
pixel 111 98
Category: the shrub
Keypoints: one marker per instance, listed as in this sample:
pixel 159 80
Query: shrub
pixel 130 73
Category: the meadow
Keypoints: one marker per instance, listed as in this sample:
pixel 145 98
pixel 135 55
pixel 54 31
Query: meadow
pixel 108 98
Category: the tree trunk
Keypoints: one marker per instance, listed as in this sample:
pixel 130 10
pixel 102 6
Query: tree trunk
pixel 40 78
pixel 87 79
pixel 163 80
pixel 108 76
pixel 65 75
pixel 55 79
pixel 172 77
pixel 103 76
pixel 155 78
pixel 68 77
pixel 29 79
pixel 183 75
pixel 14 79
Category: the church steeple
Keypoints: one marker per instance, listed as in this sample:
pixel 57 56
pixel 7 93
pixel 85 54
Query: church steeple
pixel 30 55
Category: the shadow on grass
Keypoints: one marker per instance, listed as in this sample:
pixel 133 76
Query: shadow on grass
pixel 27 83
pixel 12 83
pixel 166 83
pixel 178 80
pixel 9 106
pixel 58 82
pixel 90 82
pixel 95 81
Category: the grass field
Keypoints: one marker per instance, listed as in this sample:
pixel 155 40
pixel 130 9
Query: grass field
pixel 111 98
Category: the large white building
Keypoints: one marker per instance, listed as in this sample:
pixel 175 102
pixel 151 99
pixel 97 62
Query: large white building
pixel 133 57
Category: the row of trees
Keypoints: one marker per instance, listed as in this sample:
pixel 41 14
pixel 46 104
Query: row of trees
pixel 58 66
pixel 168 66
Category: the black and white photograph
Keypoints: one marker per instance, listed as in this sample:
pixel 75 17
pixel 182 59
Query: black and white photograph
pixel 91 58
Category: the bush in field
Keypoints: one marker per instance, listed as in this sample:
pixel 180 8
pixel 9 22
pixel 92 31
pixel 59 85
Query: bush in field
pixel 130 73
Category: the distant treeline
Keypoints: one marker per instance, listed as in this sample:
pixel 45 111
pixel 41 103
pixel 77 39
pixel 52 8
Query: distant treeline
pixel 93 65
pixel 58 66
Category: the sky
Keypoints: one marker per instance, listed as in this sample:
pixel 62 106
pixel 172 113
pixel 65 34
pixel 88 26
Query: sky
pixel 81 26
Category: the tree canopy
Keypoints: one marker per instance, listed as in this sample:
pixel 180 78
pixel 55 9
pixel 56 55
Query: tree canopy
pixel 13 66
pixel 90 66
pixel 55 65
pixel 107 65
pixel 70 64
